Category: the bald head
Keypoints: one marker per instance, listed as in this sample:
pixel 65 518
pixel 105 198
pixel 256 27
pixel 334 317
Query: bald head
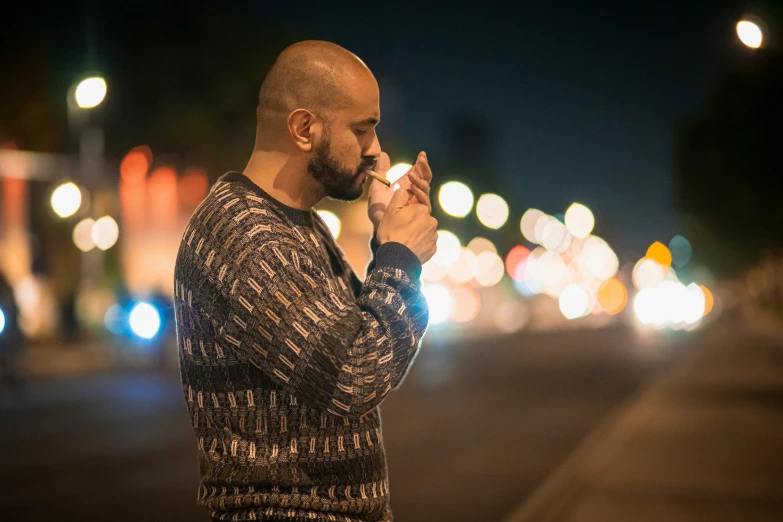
pixel 313 75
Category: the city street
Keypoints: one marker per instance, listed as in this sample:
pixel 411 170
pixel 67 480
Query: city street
pixel 475 429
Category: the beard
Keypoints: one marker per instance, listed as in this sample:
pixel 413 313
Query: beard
pixel 338 182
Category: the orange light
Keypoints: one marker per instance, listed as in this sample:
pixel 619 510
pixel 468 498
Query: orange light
pixel 709 301
pixel 612 296
pixel 516 256
pixel 193 187
pixel 162 197
pixel 658 252
pixel 135 165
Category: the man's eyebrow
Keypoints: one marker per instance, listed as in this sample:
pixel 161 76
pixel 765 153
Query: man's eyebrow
pixel 368 121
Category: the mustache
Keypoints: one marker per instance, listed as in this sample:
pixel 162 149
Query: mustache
pixel 367 163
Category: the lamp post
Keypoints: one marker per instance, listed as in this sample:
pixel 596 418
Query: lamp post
pixel 83 96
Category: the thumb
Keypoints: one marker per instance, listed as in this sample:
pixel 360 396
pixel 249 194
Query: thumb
pixel 399 199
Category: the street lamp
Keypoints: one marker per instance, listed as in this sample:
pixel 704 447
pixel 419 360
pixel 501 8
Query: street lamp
pixel 749 33
pixel 90 92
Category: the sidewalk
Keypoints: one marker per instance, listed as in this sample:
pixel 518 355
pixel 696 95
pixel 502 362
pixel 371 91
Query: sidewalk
pixel 702 443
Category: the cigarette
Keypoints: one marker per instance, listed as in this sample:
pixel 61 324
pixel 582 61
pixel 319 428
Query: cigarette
pixel 377 177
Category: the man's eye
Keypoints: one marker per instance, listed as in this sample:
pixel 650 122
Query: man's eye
pixel 361 132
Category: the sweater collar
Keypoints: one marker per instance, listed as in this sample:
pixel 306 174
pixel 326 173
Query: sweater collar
pixel 303 218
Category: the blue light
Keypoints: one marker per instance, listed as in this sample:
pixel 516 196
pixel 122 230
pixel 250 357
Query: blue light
pixel 144 320
pixel 2 321
pixel 681 251
pixel 114 319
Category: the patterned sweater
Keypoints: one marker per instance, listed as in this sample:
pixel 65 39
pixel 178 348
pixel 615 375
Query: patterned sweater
pixel 285 356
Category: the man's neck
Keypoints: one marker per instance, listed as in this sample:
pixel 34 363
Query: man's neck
pixel 279 176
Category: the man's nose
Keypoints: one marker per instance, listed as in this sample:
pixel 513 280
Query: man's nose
pixel 375 148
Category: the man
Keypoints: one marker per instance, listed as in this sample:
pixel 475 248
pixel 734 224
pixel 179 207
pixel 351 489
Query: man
pixel 285 355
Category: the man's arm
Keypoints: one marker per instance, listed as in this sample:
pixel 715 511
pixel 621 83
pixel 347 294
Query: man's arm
pixel 286 317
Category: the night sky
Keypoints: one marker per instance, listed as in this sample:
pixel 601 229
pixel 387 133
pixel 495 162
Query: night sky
pixel 581 103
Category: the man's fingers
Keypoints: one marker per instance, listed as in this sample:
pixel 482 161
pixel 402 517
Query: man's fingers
pixel 424 167
pixel 421 196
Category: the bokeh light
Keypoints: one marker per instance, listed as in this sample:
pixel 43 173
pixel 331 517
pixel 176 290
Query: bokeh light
pixel 144 320
pixel 90 92
pixel 492 211
pixel 709 300
pixel 439 301
pixel 612 296
pixel 514 259
pixel 332 221
pixel 555 236
pixel 135 164
pixel 113 319
pixel 433 272
pixel 574 302
pixel 465 304
pixel 749 34
pixel 465 267
pixel 681 251
pixel 449 248
pixel 579 220
pixel 456 199
pixel 66 200
pixel 479 244
pixel 2 321
pixel 658 252
pixel 527 225
pixel 397 171
pixel 511 316
pixel 599 258
pixel 105 233
pixel 193 187
pixel 647 273
pixel 490 269
pixel 82 235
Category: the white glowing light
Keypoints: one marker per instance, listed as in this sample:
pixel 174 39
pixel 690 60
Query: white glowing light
pixel 540 227
pixel 574 302
pixel 528 223
pixel 456 199
pixel 694 305
pixel 2 321
pixel 490 269
pixel 144 320
pixel 555 236
pixel 465 267
pixel 332 222
pixel 432 272
pixel 66 200
pixel 492 211
pixel 90 92
pixel 579 220
pixel 479 244
pixel 599 258
pixel 647 272
pixel 398 171
pixel 105 233
pixel 439 301
pixel 449 249
pixel 82 235
pixel 749 34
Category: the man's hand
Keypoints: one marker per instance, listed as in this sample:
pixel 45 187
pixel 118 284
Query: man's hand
pixel 410 225
pixel 416 181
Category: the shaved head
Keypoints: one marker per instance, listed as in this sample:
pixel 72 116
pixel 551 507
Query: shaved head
pixel 312 75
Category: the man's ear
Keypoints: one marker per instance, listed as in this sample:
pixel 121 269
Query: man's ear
pixel 304 128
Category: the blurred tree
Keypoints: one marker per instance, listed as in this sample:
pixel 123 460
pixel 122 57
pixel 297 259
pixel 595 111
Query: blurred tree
pixel 728 161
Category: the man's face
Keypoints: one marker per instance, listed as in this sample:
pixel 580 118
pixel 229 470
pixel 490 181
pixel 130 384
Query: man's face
pixel 348 147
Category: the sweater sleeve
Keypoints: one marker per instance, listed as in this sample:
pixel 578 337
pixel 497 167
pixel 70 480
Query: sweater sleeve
pixel 286 317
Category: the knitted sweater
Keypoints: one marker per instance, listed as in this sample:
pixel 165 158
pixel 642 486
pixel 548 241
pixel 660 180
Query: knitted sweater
pixel 285 356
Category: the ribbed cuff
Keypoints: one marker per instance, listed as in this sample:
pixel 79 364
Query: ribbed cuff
pixel 397 255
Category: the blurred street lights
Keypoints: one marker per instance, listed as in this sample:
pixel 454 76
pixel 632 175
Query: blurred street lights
pixel 749 34
pixel 83 97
